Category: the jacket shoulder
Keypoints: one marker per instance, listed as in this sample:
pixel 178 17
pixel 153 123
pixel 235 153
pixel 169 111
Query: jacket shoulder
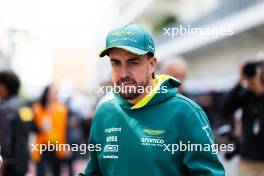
pixel 186 102
pixel 105 107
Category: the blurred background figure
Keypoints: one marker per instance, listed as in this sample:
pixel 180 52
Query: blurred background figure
pixel 78 127
pixel 51 121
pixel 1 160
pixel 261 62
pixel 15 124
pixel 74 136
pixel 248 95
pixel 177 68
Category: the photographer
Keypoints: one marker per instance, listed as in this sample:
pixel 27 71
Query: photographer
pixel 248 95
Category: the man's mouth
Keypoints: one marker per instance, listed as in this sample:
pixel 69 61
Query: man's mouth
pixel 127 84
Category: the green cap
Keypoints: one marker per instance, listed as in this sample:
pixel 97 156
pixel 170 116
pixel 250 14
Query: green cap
pixel 132 38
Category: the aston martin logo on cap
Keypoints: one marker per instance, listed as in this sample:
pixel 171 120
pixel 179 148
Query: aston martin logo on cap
pixel 122 33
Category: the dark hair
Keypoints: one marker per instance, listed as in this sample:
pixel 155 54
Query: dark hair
pixel 44 96
pixel 150 55
pixel 10 81
pixel 250 69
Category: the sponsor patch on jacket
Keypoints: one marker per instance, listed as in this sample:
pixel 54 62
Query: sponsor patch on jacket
pixel 154 132
pixel 25 114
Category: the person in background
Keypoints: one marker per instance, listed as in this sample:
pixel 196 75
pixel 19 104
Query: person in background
pixel 248 94
pixel 1 159
pixel 74 133
pixel 51 121
pixel 15 125
pixel 177 68
pixel 261 62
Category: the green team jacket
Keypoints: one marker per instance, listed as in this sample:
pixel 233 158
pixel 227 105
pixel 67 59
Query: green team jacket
pixel 142 139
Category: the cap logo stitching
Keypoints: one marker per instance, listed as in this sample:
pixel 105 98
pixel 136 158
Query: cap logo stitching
pixel 122 33
pixel 124 38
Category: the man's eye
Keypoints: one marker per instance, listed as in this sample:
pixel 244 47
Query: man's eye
pixel 133 63
pixel 115 63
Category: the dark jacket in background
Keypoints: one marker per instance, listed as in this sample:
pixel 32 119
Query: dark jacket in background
pixel 252 144
pixel 15 124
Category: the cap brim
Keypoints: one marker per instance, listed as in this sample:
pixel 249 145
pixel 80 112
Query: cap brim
pixel 127 48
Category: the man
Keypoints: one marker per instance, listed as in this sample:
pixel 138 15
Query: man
pixel 134 127
pixel 15 124
pixel 177 68
pixel 248 94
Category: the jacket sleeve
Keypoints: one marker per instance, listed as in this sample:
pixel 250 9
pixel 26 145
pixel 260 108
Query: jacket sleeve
pixel 92 168
pixel 233 100
pixel 204 160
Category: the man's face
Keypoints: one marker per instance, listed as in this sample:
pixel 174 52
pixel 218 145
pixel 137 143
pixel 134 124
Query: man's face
pixel 178 71
pixel 52 94
pixel 130 70
pixel 262 72
pixel 3 91
pixel 255 84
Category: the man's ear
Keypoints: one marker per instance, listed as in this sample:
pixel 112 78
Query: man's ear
pixel 153 64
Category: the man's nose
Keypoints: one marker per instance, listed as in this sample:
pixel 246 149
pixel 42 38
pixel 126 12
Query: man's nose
pixel 124 72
